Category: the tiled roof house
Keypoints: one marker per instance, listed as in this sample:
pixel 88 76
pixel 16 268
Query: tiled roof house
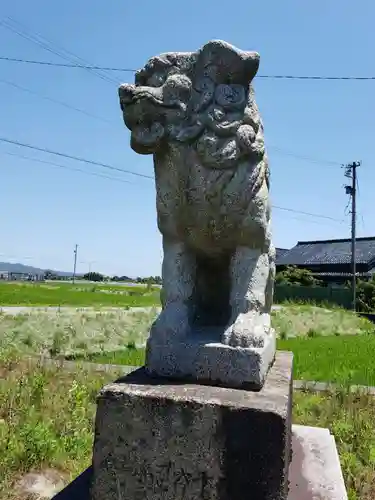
pixel 331 257
pixel 280 252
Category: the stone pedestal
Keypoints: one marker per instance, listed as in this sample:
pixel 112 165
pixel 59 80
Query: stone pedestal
pixel 156 439
pixel 202 359
pixel 314 473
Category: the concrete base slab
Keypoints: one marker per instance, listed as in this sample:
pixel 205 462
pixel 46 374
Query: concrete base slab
pixel 314 474
pixel 200 358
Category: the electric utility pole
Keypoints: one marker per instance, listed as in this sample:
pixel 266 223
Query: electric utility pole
pixel 75 263
pixel 351 173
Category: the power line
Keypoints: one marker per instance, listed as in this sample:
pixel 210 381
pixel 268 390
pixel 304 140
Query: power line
pixel 100 118
pixel 308 213
pixel 50 46
pixel 305 157
pixel 91 115
pixel 127 182
pixel 312 221
pixel 71 157
pixel 315 77
pixel 45 150
pixel 10 256
pixel 61 103
pixel 53 47
pixel 65 167
pixel 77 158
pixel 65 65
pixel 132 70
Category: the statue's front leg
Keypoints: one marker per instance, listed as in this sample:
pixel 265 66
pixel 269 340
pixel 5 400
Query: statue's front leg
pixel 250 285
pixel 178 274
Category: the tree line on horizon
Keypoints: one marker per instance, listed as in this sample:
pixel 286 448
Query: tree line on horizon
pixel 98 277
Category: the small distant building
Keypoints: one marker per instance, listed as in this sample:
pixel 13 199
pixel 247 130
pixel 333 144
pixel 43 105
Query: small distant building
pixel 14 276
pixel 330 260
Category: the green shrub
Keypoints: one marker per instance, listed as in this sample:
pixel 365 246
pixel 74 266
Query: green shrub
pixel 366 295
pixel 292 275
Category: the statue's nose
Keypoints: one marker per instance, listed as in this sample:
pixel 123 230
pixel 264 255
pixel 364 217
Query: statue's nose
pixel 126 93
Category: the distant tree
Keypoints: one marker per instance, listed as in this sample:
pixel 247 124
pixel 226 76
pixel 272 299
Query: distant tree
pixel 366 295
pixel 121 278
pixel 153 280
pixel 293 275
pixel 92 276
pixel 126 278
pixel 50 275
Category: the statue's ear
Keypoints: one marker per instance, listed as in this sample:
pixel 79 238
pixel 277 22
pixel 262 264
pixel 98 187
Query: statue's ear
pixel 231 65
pixel 251 63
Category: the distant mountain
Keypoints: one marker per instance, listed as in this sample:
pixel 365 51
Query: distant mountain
pixel 22 268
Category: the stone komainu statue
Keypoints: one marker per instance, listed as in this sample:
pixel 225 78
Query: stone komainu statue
pixel 196 113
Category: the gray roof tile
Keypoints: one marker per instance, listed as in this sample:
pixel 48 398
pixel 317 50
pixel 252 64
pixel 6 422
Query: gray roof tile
pixel 309 253
pixel 280 252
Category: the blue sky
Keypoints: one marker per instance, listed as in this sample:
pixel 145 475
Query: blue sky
pixel 45 210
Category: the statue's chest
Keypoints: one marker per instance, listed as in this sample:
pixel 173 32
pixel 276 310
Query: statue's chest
pixel 215 192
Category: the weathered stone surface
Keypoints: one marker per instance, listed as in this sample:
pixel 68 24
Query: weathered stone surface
pixel 159 440
pixel 40 485
pixel 314 473
pixel 196 113
pixel 202 358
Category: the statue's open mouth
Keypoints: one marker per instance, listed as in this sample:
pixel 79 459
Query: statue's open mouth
pixel 146 125
pixel 143 114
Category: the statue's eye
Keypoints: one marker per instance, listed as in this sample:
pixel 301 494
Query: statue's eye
pixel 156 80
pixel 230 95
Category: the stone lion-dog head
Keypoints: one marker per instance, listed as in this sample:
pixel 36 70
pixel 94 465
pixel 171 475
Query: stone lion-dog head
pixel 204 98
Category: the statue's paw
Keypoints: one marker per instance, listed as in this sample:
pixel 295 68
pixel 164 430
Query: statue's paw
pixel 245 332
pixel 173 322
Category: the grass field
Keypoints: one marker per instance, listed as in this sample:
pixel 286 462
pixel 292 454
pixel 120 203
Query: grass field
pixel 298 320
pixel 46 424
pixel 126 357
pixel 292 320
pixel 67 294
pixel 46 414
pixel 343 360
pixel 72 332
pixel 104 335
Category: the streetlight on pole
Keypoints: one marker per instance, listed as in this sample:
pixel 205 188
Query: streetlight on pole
pixel 75 263
pixel 89 263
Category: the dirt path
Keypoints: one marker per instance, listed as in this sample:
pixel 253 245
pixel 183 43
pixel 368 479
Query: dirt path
pixel 15 310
